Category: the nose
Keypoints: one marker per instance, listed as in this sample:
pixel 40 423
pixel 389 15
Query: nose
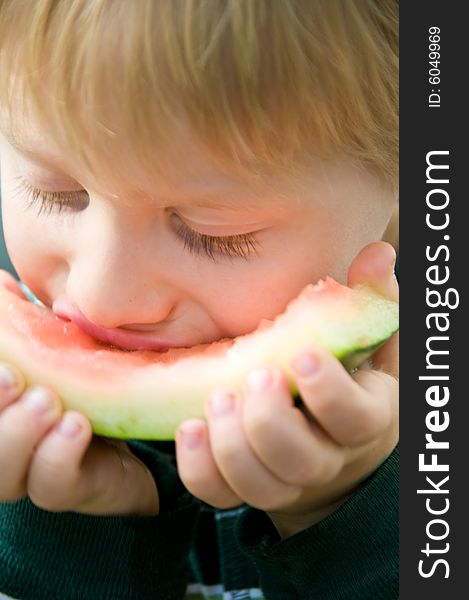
pixel 114 287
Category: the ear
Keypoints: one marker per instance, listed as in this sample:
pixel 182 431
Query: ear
pixel 391 235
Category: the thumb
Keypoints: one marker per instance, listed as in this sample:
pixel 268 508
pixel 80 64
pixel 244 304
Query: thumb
pixel 374 265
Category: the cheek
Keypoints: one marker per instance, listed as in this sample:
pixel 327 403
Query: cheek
pixel 32 247
pixel 239 299
pixel 19 235
pixel 238 304
pixel 24 242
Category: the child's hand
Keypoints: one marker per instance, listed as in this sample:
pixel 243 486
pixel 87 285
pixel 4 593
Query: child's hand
pixel 52 457
pixel 296 464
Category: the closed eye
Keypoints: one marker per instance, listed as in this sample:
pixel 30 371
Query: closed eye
pixel 242 245
pixel 53 202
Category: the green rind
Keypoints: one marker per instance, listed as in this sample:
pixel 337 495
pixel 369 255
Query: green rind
pixel 130 428
pixel 149 403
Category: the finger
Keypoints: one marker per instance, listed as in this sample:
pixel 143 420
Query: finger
pixel 71 470
pixel 197 468
pixel 375 265
pixel 22 425
pixel 123 484
pixel 381 385
pixel 54 475
pixel 386 358
pixel 238 464
pixel 11 384
pixel 348 413
pixel 293 448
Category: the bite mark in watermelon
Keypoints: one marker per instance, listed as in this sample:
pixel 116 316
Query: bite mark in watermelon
pixel 146 394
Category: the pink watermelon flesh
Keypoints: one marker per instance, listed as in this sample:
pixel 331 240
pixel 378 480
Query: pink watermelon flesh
pixel 146 394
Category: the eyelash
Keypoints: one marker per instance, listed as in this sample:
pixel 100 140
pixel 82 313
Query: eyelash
pixel 242 245
pixel 54 202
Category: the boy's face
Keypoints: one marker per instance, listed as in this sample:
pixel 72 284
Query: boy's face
pixel 190 258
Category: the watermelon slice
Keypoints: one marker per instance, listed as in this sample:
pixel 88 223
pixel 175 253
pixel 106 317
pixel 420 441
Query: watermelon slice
pixel 146 394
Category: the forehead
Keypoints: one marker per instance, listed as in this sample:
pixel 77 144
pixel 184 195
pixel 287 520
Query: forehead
pixel 188 169
pixel 190 174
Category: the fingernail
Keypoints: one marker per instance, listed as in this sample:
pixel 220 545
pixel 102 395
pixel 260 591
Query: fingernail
pixel 38 400
pixel 222 403
pixel 191 434
pixel 69 427
pixel 8 379
pixel 259 380
pixel 305 365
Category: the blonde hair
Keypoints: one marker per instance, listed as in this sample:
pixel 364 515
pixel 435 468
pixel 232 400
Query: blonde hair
pixel 263 84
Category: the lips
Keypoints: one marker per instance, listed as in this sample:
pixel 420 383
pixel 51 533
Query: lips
pixel 125 339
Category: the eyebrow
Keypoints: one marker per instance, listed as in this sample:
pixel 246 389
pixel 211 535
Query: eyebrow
pixel 28 152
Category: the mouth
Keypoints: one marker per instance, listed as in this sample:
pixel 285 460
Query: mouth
pixel 120 338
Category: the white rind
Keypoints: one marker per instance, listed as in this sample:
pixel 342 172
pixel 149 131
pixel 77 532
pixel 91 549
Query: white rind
pixel 149 402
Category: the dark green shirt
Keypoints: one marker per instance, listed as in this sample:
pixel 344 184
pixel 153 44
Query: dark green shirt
pixel 193 551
